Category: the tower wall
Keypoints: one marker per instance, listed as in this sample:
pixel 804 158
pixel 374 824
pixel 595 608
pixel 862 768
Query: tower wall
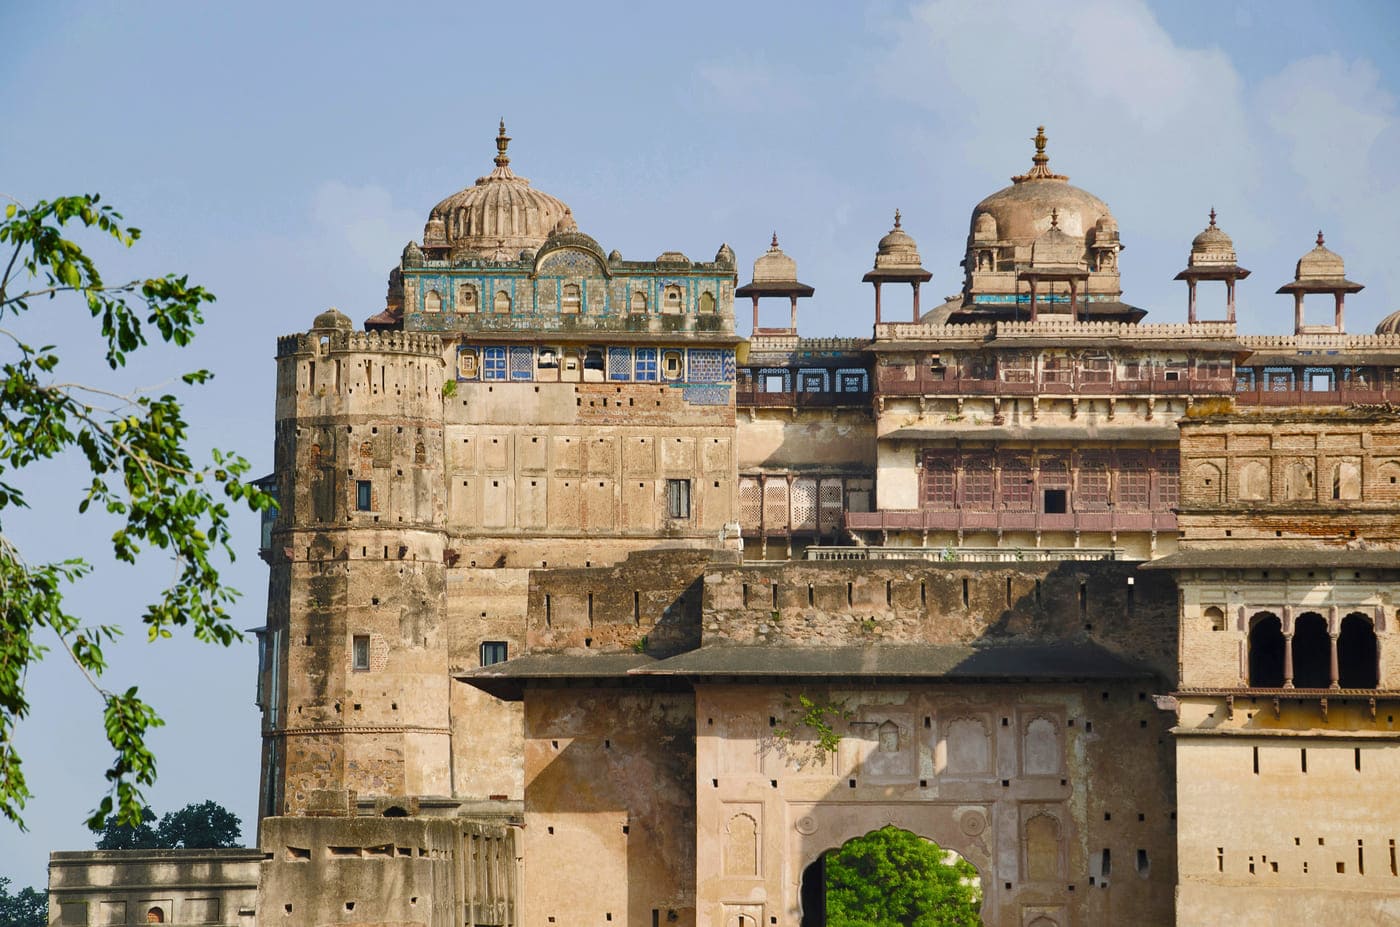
pixel 358 589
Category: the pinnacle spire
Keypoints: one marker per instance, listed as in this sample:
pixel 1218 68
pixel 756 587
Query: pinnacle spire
pixel 896 218
pixel 1040 161
pixel 1212 217
pixel 774 245
pixel 502 142
pixel 1319 238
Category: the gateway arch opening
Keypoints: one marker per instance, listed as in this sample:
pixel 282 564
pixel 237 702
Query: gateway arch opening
pixel 891 876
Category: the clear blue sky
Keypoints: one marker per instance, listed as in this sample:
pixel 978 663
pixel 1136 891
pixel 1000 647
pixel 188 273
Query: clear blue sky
pixel 281 154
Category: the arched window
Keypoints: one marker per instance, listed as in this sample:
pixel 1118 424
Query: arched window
pixel 671 299
pixel 1254 481
pixel 572 299
pixel 639 301
pixel 707 302
pixel 1346 480
pixel 1312 652
pixel 502 302
pixel 155 916
pixel 1215 617
pixel 889 737
pixel 432 302
pixel 1298 481
pixel 1206 485
pixel 1357 653
pixel 467 299
pixel 1266 652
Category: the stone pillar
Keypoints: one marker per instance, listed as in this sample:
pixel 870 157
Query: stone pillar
pixel 1229 300
pixel 1191 301
pixel 1332 666
pixel 916 301
pixel 877 302
pixel 1288 661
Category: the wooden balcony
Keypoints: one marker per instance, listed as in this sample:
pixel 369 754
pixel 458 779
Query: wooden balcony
pixel 1344 396
pixel 968 520
pixel 795 399
pixel 893 382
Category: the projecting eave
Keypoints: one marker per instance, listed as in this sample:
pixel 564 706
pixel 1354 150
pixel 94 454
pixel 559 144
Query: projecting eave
pixel 1274 558
pixel 508 680
pixel 1029 662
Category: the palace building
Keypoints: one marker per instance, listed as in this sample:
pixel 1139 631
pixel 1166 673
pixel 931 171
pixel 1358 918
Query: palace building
pixel 590 605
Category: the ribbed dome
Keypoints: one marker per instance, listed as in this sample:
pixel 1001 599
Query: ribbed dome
pixel 1320 264
pixel 1211 246
pixel 1390 325
pixel 897 248
pixel 774 266
pixel 500 213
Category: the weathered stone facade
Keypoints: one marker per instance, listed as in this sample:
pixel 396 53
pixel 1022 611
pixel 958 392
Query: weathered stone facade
pixel 1104 606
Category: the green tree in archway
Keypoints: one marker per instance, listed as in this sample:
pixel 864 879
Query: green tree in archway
pixel 892 878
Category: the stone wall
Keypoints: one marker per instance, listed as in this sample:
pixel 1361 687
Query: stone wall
pixel 107 888
pixel 610 807
pixel 433 872
pixel 824 603
pixel 1060 795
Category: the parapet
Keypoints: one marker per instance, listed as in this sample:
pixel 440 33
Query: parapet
pixel 379 342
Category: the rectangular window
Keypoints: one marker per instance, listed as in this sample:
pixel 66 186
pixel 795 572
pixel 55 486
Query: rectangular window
pixel 363 499
pixel 678 498
pixel 493 363
pixel 646 365
pixel 359 652
pixel 493 652
pixel 522 363
pixel 619 363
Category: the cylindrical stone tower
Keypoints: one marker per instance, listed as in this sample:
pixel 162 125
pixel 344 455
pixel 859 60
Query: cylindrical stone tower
pixel 355 684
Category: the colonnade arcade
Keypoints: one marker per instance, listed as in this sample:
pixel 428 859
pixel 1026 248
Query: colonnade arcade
pixel 1314 649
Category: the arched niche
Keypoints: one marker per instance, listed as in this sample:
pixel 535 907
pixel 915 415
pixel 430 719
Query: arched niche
pixel 1266 651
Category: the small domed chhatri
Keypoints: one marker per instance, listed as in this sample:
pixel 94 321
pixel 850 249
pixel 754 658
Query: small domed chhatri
pixel 333 320
pixel 1042 240
pixel 500 214
pixel 897 261
pixel 1212 257
pixel 1321 270
pixel 775 274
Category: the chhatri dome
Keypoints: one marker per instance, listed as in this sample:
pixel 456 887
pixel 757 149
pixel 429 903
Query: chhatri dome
pixel 500 213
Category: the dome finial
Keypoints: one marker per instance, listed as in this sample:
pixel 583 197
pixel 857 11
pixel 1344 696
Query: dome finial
pixel 774 245
pixel 1055 217
pixel 1319 238
pixel 896 218
pixel 1040 161
pixel 502 142
pixel 1212 217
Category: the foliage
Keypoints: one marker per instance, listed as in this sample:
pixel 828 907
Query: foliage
pixel 140 836
pixel 142 474
pixel 27 907
pixel 892 878
pixel 197 826
pixel 640 644
pixel 819 718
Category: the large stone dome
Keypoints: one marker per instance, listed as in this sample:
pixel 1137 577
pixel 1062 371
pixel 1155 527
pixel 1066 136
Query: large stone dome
pixel 1019 214
pixel 1390 325
pixel 501 212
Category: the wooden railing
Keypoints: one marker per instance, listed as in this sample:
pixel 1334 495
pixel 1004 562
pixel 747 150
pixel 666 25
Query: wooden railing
pixel 797 399
pixel 1051 383
pixel 969 520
